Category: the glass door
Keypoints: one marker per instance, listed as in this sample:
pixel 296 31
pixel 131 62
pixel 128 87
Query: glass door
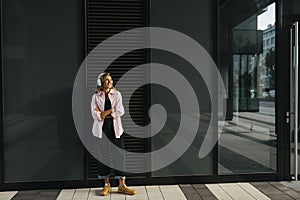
pixel 294 98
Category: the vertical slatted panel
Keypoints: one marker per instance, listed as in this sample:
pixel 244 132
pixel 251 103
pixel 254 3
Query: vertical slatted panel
pixel 106 18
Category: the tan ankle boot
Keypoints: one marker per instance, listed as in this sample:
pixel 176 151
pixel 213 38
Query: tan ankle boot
pixel 105 191
pixel 125 190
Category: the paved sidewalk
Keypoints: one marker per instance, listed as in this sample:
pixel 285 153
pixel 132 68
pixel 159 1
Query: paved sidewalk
pixel 143 192
pixel 230 191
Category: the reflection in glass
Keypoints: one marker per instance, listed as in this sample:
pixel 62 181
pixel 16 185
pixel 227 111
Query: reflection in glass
pixel 248 142
pixel 41 55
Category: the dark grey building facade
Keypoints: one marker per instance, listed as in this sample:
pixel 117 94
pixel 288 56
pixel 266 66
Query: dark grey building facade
pixel 43 45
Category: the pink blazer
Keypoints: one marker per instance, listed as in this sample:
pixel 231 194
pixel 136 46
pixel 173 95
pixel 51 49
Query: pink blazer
pixel 116 103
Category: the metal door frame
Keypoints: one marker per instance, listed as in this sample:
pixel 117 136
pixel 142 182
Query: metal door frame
pixel 283 109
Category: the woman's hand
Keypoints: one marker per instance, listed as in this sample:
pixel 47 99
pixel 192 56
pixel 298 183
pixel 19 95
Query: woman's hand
pixel 97 110
pixel 105 113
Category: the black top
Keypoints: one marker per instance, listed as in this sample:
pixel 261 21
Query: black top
pixel 107 104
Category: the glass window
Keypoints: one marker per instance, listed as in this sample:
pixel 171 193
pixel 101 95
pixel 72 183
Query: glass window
pixel 248 142
pixel 290 7
pixel 182 16
pixel 43 49
pixel 272 40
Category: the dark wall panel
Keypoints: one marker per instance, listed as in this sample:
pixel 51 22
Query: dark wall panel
pixel 42 51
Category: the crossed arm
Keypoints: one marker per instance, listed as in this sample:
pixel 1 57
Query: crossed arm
pixel 104 113
pixel 116 111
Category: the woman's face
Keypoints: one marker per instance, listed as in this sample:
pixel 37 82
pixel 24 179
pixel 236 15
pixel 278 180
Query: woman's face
pixel 108 82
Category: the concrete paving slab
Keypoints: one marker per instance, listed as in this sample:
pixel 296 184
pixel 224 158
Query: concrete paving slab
pixel 218 191
pixel 7 195
pixel 253 191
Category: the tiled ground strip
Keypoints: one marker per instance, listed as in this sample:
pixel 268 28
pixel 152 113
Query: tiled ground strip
pixel 236 191
pixel 277 190
pixel 164 192
pixel 232 191
pixel 37 194
pixel 197 191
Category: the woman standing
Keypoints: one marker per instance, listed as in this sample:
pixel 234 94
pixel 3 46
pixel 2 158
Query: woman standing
pixel 107 109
